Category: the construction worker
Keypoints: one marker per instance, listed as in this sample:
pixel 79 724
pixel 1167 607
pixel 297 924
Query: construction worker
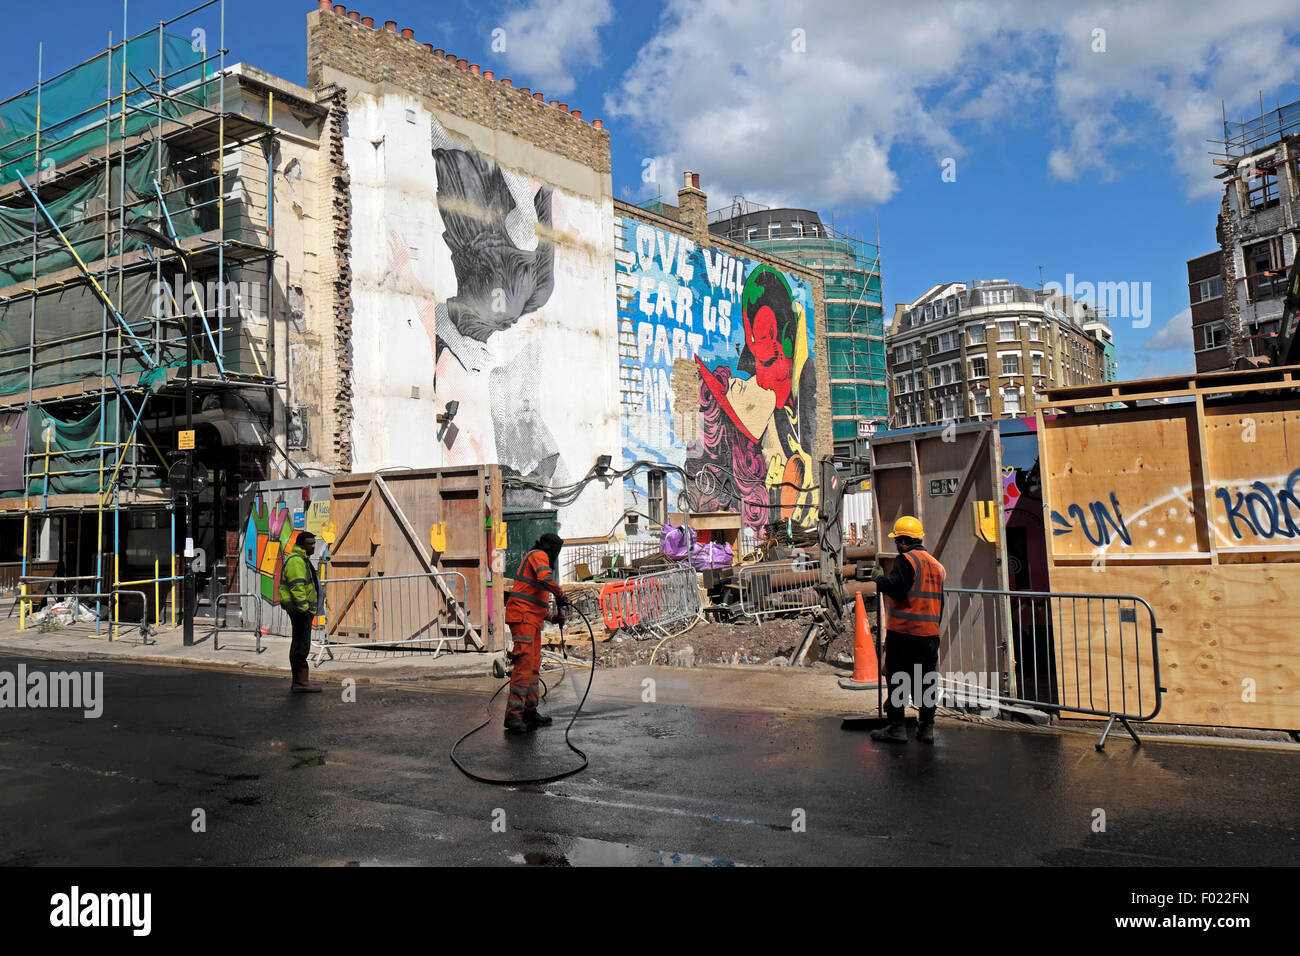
pixel 300 596
pixel 526 609
pixel 913 591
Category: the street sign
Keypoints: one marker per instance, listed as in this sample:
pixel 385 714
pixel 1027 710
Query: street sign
pixel 186 442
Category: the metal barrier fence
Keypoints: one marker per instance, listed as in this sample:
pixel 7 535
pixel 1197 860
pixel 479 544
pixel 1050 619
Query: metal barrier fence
pixel 778 587
pixel 112 599
pixel 653 604
pixel 1092 654
pixel 221 612
pixel 393 611
pixel 609 557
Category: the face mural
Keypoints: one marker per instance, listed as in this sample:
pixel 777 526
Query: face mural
pixel 727 385
pixel 497 230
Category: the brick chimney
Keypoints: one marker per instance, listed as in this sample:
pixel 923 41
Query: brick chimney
pixel 692 204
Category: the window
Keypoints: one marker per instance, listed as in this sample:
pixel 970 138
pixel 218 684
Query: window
pixel 657 492
pixel 976 334
pixel 1261 189
pixel 774 230
pixel 981 403
pixel 812 229
pixel 1261 259
pixel 751 233
pixel 797 226
pixel 1216 336
pixel 1206 289
pixel 1038 364
pixel 1036 331
pixel 936 377
pixel 1010 363
pixel 979 367
pixel 1011 401
pixel 1006 331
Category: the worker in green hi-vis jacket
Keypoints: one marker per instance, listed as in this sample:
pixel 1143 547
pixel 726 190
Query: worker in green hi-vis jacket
pixel 300 596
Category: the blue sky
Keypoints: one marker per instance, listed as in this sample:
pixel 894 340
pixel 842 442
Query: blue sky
pixel 1075 129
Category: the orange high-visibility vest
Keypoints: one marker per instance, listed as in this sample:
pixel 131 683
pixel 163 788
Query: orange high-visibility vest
pixel 527 601
pixel 920 611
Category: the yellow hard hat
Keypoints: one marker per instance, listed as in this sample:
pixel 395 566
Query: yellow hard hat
pixel 907 526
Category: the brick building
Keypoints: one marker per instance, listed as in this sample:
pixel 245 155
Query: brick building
pixel 987 349
pixel 1259 164
pixel 471 263
pixel 1205 294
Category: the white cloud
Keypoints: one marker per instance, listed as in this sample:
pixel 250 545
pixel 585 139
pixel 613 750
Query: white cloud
pixel 551 42
pixel 1174 334
pixel 723 87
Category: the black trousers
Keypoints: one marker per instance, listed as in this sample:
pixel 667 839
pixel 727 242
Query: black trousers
pixel 912 669
pixel 300 646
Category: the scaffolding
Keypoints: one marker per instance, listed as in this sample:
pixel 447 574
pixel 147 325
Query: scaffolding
pixel 125 227
pixel 1251 135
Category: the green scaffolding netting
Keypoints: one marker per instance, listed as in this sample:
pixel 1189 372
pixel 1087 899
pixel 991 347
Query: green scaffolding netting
pixel 74 106
pixel 72 332
pixel 73 463
pixel 80 215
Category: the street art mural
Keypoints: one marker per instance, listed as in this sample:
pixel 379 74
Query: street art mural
pixel 486 296
pixel 718 378
pixel 270 534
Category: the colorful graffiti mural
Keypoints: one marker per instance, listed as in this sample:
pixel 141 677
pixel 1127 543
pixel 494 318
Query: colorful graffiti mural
pixel 270 534
pixel 718 377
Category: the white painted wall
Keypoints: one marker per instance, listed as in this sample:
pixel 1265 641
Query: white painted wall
pixel 403 276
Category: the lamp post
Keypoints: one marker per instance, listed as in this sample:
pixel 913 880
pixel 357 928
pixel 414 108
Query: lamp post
pixel 156 239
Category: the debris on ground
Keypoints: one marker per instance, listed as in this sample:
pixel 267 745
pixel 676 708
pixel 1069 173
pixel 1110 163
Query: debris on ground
pixel 770 642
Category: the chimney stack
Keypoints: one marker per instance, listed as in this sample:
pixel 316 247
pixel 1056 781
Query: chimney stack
pixel 692 204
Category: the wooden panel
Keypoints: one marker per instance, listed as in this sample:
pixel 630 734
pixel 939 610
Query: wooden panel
pixel 1142 488
pixel 1223 625
pixel 965 462
pixel 1124 484
pixel 383 524
pixel 1253 450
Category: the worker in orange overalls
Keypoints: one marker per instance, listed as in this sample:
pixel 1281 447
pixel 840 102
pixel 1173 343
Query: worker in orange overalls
pixel 913 591
pixel 526 609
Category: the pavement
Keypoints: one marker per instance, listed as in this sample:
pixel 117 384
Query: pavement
pixel 701 767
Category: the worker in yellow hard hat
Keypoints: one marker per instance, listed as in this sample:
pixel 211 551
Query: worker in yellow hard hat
pixel 913 591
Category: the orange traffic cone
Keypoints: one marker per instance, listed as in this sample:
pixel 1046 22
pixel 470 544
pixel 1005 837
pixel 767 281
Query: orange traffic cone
pixel 866 669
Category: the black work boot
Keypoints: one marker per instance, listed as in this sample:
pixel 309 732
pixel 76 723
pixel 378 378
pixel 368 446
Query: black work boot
pixel 533 719
pixel 925 733
pixel 894 734
pixel 515 725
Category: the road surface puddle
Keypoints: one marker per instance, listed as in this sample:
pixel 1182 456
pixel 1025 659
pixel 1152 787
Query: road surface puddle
pixel 587 852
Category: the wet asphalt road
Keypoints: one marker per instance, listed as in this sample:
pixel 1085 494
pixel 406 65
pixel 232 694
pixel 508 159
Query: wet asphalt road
pixel 310 779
